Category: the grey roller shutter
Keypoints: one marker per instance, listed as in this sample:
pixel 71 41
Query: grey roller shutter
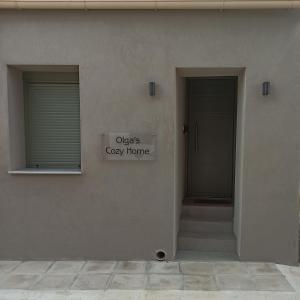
pixel 52 125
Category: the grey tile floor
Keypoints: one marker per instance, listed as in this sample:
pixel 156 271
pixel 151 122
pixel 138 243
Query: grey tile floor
pixel 142 275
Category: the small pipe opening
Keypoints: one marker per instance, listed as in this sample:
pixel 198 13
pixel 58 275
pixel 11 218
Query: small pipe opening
pixel 160 255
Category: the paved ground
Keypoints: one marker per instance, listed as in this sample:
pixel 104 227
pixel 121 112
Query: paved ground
pixel 139 280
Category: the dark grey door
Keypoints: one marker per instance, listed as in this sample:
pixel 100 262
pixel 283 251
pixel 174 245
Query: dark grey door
pixel 211 138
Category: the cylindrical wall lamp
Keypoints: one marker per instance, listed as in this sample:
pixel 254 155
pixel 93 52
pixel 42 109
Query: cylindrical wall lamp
pixel 266 88
pixel 152 88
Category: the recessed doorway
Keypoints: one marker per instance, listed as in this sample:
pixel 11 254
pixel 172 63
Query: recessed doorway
pixel 211 109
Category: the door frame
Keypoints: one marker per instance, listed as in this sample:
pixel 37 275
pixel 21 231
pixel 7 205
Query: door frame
pixel 216 201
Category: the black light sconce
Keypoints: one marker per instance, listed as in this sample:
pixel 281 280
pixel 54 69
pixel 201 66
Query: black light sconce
pixel 152 88
pixel 266 88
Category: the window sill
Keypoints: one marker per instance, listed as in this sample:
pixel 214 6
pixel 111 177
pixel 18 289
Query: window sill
pixel 46 172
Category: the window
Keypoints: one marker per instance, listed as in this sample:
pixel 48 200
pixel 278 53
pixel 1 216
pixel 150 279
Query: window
pixel 52 120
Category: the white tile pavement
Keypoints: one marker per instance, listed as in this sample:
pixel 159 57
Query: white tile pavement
pixel 102 280
pixel 7 266
pixel 66 267
pixel 146 295
pixel 33 267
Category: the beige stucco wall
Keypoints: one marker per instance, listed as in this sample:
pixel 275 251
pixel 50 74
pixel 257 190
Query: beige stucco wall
pixel 128 209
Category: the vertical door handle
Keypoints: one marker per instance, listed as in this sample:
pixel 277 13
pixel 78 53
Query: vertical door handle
pixel 196 138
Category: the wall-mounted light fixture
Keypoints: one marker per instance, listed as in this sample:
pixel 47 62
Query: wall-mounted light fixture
pixel 266 88
pixel 152 88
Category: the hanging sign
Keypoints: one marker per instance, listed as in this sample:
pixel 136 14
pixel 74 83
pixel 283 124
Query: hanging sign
pixel 128 146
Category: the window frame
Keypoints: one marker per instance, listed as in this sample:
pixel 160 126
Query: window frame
pixel 47 78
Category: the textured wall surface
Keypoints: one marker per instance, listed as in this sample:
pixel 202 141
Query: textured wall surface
pixel 126 209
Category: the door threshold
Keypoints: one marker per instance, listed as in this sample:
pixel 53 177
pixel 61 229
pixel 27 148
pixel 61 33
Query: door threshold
pixel 190 255
pixel 207 202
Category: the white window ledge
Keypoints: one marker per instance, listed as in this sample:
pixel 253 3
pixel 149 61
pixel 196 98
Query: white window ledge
pixel 46 172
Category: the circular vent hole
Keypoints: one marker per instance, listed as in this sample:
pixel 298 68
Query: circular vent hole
pixel 160 255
